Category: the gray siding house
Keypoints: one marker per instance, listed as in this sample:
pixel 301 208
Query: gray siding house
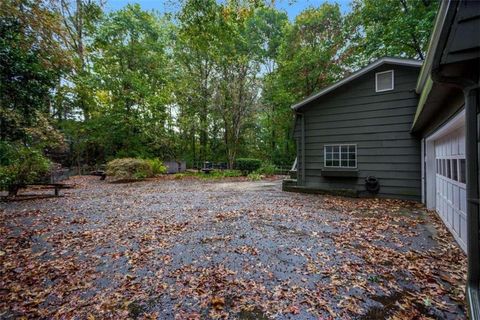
pixel 358 128
pixel 417 131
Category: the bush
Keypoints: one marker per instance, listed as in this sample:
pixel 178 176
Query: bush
pixel 129 169
pixel 254 176
pixel 248 165
pixel 231 173
pixel 157 166
pixel 23 166
pixel 267 169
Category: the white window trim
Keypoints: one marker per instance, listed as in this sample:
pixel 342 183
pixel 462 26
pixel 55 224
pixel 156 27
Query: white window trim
pixel 340 160
pixel 376 80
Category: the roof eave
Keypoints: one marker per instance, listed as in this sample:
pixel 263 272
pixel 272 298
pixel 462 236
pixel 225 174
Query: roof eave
pixel 432 46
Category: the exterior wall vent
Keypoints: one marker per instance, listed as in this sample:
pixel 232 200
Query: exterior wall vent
pixel 384 81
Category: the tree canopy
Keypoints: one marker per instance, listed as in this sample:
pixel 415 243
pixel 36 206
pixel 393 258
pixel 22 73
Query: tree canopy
pixel 213 81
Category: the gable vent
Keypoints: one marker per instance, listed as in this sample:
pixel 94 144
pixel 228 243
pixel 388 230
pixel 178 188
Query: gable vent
pixel 384 81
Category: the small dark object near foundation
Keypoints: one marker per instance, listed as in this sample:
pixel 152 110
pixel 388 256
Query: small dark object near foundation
pixel 372 184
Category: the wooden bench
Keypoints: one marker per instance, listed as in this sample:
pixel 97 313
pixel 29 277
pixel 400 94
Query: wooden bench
pixel 13 189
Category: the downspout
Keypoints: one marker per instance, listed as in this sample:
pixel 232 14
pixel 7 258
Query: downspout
pixel 471 93
pixel 303 148
pixel 473 223
pixel 301 156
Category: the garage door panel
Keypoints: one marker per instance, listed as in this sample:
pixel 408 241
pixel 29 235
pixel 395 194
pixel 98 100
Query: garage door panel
pixel 456 221
pixel 456 197
pixel 463 200
pixel 463 227
pixel 450 191
pixel 450 212
pixel 461 145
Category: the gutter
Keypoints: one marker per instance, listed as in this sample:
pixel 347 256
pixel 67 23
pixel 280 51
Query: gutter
pixel 445 16
pixel 432 46
pixel 421 102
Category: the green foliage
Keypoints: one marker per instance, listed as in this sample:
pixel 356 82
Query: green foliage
pixel 179 176
pixel 267 169
pixel 213 175
pixel 129 90
pixel 129 169
pixel 157 166
pixel 32 62
pixel 391 28
pixel 309 57
pixel 312 51
pixel 214 84
pixel 248 165
pixel 221 174
pixel 253 176
pixel 231 173
pixel 22 165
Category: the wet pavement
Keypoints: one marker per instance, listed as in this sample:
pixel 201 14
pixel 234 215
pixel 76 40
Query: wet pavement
pixel 194 249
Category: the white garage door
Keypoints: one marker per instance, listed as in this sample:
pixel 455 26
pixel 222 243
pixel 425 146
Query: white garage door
pixel 451 195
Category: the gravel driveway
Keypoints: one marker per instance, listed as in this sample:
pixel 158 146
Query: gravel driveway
pixel 195 249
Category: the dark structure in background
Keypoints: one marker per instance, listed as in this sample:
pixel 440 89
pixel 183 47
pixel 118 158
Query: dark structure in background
pixel 175 166
pixel 354 136
pixel 447 120
pixel 414 138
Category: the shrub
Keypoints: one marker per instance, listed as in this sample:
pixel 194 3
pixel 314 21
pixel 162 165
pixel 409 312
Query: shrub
pixel 254 176
pixel 7 177
pixel 267 169
pixel 231 173
pixel 178 176
pixel 129 169
pixel 23 166
pixel 248 165
pixel 157 166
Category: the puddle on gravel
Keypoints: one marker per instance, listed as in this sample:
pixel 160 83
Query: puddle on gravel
pixel 255 314
pixel 390 304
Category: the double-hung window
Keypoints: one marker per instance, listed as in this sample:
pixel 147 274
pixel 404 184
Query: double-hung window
pixel 340 156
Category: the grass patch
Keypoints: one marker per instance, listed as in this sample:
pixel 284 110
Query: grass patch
pixel 213 175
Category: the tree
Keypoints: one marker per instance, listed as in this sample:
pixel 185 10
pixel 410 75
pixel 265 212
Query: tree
pixel 196 47
pixel 311 55
pixel 214 84
pixel 238 65
pixel 392 28
pixel 80 19
pixel 133 88
pixel 32 61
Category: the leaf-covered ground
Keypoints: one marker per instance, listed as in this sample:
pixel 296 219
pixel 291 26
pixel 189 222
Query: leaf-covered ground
pixel 190 249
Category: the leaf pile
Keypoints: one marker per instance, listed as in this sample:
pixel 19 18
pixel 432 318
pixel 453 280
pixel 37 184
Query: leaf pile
pixel 188 249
